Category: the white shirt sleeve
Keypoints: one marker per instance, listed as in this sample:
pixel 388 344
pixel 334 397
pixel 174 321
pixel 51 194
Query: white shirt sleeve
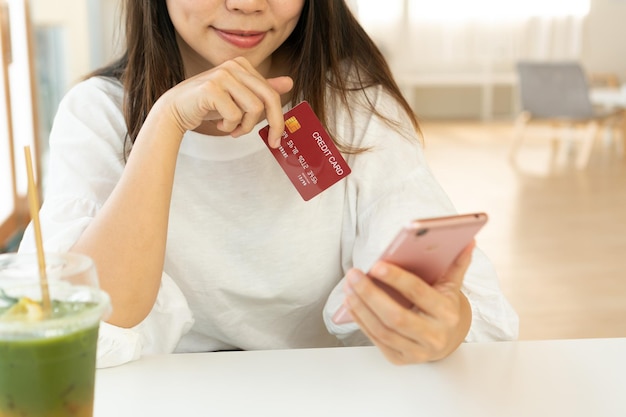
pixel 118 345
pixel 76 189
pixel 390 186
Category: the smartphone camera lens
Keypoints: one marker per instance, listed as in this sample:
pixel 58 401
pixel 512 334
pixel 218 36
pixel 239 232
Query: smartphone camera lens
pixel 421 232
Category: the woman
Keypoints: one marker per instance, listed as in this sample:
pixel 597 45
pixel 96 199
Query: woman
pixel 201 240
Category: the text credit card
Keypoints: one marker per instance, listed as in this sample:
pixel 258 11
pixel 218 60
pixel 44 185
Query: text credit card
pixel 306 153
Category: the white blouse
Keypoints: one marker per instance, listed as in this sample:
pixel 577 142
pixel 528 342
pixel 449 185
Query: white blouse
pixel 248 263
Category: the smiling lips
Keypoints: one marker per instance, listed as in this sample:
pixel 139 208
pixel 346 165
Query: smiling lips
pixel 241 39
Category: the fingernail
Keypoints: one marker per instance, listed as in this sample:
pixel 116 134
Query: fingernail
pixel 352 277
pixel 379 269
pixel 347 289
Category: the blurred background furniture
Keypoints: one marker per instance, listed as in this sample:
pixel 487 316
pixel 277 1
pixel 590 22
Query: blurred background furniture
pixel 557 93
pixel 604 80
pixel 609 97
pixel 486 81
pixel 612 97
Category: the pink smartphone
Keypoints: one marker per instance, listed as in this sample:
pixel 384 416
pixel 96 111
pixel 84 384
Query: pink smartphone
pixel 426 248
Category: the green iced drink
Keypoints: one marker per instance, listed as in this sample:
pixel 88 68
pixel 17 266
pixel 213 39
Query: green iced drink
pixel 47 361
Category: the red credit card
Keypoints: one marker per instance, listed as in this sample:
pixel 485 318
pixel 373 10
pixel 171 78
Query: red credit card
pixel 306 153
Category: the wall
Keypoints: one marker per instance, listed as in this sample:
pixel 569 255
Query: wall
pixel 112 30
pixel 604 41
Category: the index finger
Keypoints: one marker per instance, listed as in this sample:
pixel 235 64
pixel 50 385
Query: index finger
pixel 271 97
pixel 274 115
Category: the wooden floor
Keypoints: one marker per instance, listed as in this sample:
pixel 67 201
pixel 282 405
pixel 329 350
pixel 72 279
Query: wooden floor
pixel 556 235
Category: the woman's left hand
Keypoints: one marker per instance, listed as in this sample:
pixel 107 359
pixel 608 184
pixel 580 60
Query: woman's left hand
pixel 431 330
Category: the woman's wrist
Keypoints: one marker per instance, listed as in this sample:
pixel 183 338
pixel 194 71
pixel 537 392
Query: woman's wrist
pixel 163 122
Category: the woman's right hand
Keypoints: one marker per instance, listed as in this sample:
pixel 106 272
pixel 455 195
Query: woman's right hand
pixel 233 93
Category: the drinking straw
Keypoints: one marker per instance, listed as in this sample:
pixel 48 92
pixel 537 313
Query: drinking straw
pixel 33 201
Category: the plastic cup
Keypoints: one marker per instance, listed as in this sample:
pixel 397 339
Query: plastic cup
pixel 47 365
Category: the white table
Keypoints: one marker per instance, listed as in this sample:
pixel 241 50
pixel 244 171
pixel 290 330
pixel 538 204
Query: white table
pixel 571 378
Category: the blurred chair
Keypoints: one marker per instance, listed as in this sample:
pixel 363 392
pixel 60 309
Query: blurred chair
pixel 558 93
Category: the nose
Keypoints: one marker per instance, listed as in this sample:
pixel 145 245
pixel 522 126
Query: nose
pixel 246 6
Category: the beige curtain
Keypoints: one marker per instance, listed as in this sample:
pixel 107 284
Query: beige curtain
pixel 484 36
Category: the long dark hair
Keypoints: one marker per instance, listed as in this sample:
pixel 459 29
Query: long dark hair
pixel 326 39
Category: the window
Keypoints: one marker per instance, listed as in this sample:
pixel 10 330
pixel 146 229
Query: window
pixel 8 195
pixel 478 37
pixel 390 11
pixel 17 119
pixel 69 45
